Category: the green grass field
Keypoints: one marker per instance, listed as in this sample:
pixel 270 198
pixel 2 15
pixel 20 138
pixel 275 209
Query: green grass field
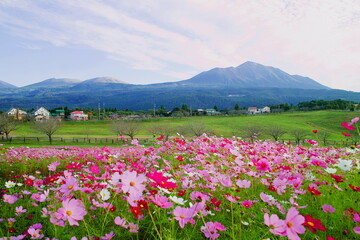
pixel 323 121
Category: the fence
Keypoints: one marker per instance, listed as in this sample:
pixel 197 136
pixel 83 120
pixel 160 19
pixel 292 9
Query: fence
pixel 115 140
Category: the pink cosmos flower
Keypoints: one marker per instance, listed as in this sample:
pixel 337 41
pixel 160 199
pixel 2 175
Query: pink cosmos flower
pixel 95 169
pixel 162 201
pixel 184 215
pixel 133 227
pixel 52 166
pixel 277 226
pixel 346 134
pixel 109 235
pixel 35 233
pixel 19 210
pixel 293 224
pixel 211 229
pixel 132 183
pixel 11 199
pixel 318 162
pixel 120 222
pixel 356 230
pixel 73 210
pixel 243 183
pixel 70 184
pixel 356 217
pixel 328 208
pixel 247 204
pixel 263 165
pixel 353 121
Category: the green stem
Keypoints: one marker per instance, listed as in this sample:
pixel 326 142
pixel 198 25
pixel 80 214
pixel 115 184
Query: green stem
pixel 152 219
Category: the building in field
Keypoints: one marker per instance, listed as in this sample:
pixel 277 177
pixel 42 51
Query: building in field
pixel 79 116
pixel 17 113
pixel 41 114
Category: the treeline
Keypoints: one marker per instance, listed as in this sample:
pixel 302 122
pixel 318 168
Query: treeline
pixel 315 105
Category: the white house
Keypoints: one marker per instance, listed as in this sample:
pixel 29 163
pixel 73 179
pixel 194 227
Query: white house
pixel 16 113
pixel 253 110
pixel 41 114
pixel 265 109
pixel 79 116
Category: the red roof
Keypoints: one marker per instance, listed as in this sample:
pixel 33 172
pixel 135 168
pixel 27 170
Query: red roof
pixel 78 112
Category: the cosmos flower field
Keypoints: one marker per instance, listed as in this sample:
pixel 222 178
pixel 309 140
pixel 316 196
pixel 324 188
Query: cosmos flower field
pixel 205 188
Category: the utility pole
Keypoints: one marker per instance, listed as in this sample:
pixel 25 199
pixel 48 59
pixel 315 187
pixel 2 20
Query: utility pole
pixel 99 111
pixel 154 109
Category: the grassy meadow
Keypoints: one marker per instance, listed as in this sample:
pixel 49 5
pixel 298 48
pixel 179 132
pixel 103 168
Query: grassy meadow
pixel 323 121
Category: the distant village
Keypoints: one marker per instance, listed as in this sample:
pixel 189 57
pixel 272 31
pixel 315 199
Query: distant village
pixel 41 114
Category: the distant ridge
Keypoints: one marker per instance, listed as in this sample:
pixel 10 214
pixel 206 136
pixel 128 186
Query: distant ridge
pixel 5 85
pixel 249 75
pixel 55 83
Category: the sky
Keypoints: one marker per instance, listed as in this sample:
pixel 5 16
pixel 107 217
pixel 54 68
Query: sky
pixel 153 41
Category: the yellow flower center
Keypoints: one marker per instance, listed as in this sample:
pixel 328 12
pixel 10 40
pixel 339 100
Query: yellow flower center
pixel 132 184
pixel 70 187
pixel 182 216
pixel 69 213
pixel 289 224
pixel 311 224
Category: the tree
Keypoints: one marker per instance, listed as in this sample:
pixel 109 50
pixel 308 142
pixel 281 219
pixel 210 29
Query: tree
pixel 161 130
pixel 298 134
pixel 8 124
pixel 126 128
pixel 323 136
pixel 197 128
pixel 237 107
pixel 216 108
pixel 275 132
pixel 252 132
pixel 48 126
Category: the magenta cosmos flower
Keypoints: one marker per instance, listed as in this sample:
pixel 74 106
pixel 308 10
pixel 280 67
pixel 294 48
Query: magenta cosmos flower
pixel 293 224
pixel 328 208
pixel 73 210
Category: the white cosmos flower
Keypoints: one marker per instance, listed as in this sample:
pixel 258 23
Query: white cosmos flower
pixel 331 170
pixel 10 184
pixel 344 164
pixel 177 200
pixel 105 194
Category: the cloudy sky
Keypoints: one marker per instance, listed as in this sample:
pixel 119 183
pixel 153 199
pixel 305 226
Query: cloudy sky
pixel 152 41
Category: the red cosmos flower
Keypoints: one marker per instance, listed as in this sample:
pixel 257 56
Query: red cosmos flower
pixel 346 134
pixel 356 189
pixel 143 204
pixel 314 191
pixel 313 224
pixel 181 193
pixel 315 131
pixel 160 138
pixel 180 158
pixel 215 202
pixel 337 178
pixel 272 188
pixel 330 238
pixel 136 211
pixel 347 126
pixel 29 182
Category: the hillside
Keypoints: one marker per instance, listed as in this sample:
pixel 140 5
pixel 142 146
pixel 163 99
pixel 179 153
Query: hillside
pixel 5 85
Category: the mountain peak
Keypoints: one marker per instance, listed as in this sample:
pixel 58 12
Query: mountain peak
pixel 104 80
pixel 252 75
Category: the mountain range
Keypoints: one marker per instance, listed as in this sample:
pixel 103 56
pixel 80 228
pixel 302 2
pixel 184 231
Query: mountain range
pixel 249 84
